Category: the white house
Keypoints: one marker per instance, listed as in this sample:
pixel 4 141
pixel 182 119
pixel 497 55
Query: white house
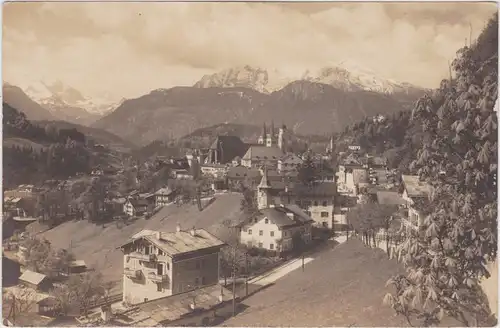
pixel 135 207
pixel 158 264
pixel 163 196
pixel 277 227
pixel 414 189
pixel 289 162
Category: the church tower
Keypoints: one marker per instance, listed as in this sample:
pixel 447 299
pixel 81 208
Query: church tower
pixel 282 139
pixel 263 189
pixel 263 137
pixel 271 138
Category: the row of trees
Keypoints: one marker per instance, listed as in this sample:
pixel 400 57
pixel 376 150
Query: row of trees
pixel 447 258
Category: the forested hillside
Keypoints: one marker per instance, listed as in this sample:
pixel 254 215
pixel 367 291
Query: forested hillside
pixel 450 138
pixel 32 154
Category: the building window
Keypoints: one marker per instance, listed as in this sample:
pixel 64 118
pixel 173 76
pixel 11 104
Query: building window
pixel 261 233
pixel 271 246
pixel 260 245
pixel 249 243
pixel 325 224
pixel 272 233
pixel 168 266
pixel 266 221
pixel 324 214
pixel 325 203
pixel 146 250
pixel 158 288
pixel 249 231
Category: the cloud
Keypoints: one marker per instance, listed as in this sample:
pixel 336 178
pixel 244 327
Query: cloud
pixel 130 48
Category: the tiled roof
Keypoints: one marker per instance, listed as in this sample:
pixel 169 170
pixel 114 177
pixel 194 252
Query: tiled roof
pixel 318 189
pixel 242 171
pixel 32 277
pixel 138 203
pixel 171 308
pixel 77 263
pixel 163 191
pixel 175 243
pixel 263 153
pixel 414 187
pixel 278 215
pixel 390 198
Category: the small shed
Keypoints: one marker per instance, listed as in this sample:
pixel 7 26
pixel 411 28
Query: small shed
pixel 35 280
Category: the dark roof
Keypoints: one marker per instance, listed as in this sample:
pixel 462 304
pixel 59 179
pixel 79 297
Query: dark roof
pixel 243 171
pixel 262 153
pixel 138 202
pixel 318 189
pixel 390 198
pixel 229 147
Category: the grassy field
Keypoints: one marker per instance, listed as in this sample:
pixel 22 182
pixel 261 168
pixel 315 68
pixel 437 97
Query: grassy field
pixel 97 244
pixel 343 286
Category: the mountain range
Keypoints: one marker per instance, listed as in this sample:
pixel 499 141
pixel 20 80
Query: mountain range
pixel 63 102
pixel 313 103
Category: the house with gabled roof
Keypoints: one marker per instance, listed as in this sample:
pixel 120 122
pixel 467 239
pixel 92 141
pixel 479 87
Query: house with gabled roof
pixel 164 196
pixel 159 264
pixel 135 207
pixel 275 227
pixel 415 193
pixel 258 156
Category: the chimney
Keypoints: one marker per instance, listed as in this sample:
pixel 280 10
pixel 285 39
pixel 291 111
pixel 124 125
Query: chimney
pixel 221 298
pixel 178 228
pixel 290 215
pixel 193 231
pixel 106 312
pixel 158 235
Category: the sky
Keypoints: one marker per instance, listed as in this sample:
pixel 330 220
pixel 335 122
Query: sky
pixel 129 49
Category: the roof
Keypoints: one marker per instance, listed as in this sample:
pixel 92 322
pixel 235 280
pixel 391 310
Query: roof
pixel 280 215
pixel 318 189
pixel 262 153
pixel 163 191
pixel 179 242
pixel 77 263
pixel 174 307
pixel 263 182
pixel 414 187
pixel 239 171
pixel 31 277
pixel 390 198
pixel 291 156
pixel 229 147
pixel 138 202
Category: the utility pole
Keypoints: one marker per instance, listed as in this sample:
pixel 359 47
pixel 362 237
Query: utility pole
pixel 302 262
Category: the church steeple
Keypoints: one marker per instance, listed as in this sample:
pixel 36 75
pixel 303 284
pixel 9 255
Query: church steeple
pixel 263 197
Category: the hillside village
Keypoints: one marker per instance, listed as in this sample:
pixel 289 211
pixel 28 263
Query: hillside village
pixel 391 222
pixel 279 206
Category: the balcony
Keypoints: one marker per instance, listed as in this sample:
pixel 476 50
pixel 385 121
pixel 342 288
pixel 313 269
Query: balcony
pixel 156 278
pixel 143 257
pixel 133 273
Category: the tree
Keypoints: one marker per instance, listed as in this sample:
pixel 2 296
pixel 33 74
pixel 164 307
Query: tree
pixel 446 258
pixel 87 289
pixel 307 172
pixel 368 218
pixel 19 303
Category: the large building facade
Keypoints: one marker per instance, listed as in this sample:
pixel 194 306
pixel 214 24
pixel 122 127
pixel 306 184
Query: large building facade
pixel 159 264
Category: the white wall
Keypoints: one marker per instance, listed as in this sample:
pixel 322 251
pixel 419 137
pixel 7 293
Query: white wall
pixel 251 234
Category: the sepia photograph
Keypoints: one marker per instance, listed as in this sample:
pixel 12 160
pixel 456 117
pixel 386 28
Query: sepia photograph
pixel 249 164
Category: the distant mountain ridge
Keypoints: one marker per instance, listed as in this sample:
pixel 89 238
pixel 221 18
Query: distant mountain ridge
pixel 346 76
pixel 61 102
pixel 306 107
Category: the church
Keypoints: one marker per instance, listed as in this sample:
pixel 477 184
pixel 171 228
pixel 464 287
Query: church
pixel 271 147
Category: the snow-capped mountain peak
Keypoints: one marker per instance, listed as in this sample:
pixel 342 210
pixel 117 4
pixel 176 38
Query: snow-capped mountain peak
pixel 54 93
pixel 346 75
